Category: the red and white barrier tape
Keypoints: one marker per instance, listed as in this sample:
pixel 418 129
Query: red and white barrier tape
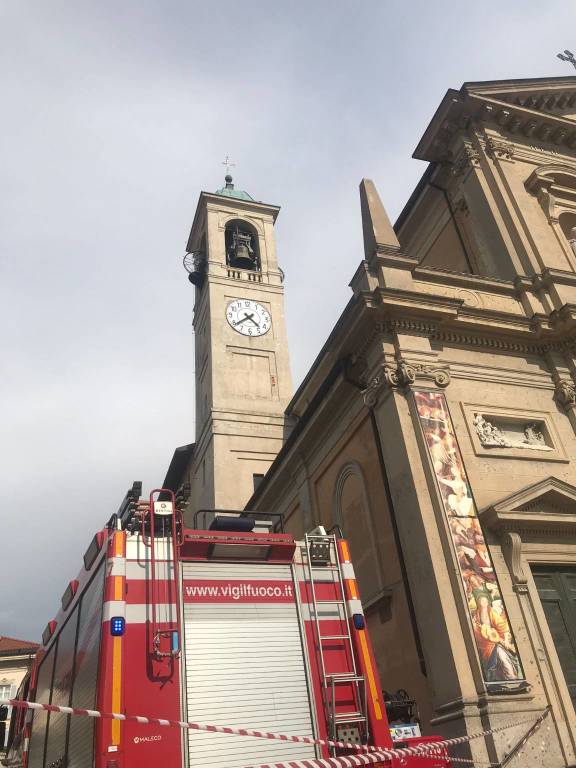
pixel 183 724
pixel 463 739
pixel 370 754
pixel 350 761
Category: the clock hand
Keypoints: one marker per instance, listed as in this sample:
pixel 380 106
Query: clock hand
pixel 247 317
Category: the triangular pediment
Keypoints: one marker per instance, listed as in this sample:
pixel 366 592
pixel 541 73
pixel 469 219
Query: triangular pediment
pixel 543 108
pixel 550 502
pixel 553 96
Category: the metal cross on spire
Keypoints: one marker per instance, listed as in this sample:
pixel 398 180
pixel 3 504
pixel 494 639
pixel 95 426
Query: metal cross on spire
pixel 567 56
pixel 228 163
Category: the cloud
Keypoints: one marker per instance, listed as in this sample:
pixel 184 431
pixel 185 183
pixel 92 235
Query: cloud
pixel 115 116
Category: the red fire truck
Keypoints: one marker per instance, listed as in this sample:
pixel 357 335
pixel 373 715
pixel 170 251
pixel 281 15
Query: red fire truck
pixel 221 618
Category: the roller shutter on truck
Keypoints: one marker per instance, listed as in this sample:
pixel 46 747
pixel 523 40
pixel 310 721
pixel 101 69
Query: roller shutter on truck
pixel 244 663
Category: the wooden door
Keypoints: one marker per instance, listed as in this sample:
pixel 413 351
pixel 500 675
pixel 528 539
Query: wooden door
pixel 557 589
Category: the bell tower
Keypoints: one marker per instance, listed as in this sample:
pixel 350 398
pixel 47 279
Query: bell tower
pixel 243 381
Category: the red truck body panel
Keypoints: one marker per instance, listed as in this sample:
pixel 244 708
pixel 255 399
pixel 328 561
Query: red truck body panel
pixel 178 596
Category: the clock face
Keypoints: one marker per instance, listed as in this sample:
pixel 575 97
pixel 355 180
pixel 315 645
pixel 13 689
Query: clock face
pixel 248 317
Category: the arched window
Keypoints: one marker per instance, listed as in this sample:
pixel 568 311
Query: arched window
pixel 242 250
pixel 555 188
pixel 352 513
pixel 567 222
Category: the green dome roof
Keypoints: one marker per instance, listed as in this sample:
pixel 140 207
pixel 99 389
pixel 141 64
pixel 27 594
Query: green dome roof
pixel 229 191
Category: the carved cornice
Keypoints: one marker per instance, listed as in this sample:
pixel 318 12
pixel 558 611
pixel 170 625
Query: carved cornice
pixel 455 336
pixel 435 331
pixel 469 107
pixel 474 340
pixel 403 373
pixel 408 325
pixel 516 118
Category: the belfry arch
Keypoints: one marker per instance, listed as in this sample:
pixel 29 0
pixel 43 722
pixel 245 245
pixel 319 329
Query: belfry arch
pixel 242 245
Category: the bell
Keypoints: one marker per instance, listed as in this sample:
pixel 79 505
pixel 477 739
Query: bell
pixel 242 257
pixel 241 253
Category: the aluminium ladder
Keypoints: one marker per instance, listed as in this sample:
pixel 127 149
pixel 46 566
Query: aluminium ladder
pixel 332 680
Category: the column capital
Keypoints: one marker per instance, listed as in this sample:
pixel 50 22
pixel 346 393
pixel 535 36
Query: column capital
pixel 403 376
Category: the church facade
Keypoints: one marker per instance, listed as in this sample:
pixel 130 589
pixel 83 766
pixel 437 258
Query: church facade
pixel 437 426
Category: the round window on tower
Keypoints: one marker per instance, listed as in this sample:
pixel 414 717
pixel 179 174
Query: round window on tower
pixel 242 251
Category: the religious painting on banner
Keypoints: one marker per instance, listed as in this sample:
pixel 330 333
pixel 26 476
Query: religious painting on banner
pixel 494 638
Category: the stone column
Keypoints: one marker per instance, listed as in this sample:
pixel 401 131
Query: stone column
pixel 459 694
pixel 562 365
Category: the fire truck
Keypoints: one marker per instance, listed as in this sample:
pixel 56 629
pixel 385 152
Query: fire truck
pixel 220 618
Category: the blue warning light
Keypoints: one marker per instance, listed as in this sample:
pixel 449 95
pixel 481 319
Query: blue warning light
pixel 117 626
pixel 358 620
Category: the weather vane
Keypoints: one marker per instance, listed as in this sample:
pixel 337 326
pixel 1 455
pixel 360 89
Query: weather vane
pixel 229 164
pixel 567 56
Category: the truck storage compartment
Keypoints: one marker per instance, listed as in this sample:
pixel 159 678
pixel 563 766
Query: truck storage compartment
pixel 244 663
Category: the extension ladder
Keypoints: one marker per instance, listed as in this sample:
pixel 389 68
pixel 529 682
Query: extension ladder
pixel 322 556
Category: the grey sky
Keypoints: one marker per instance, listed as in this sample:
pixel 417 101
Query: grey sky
pixel 114 116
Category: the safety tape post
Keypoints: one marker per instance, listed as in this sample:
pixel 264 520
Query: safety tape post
pixel 369 754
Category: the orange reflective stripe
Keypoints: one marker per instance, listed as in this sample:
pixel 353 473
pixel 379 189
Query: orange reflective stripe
pixel 345 550
pixel 370 675
pixel 119 539
pixel 119 544
pixel 116 687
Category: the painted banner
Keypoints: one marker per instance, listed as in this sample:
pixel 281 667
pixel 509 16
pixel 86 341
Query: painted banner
pixel 494 638
pixel 237 591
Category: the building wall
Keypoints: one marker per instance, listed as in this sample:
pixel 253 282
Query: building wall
pixel 12 671
pixel 515 386
pixel 337 480
pixel 471 297
pixel 512 386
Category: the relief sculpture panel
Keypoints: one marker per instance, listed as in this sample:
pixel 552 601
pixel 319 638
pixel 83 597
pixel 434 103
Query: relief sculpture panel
pixel 510 435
